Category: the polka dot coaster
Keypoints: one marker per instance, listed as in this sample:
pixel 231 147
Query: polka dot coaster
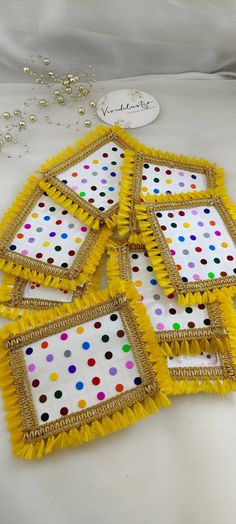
pixel 43 242
pixel 179 329
pixel 81 371
pixel 154 176
pixel 89 176
pixel 192 247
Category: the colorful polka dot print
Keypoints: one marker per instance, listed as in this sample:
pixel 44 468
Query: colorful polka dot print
pixel 39 292
pixel 199 242
pixel 194 361
pixel 158 180
pixel 80 367
pixel 165 312
pixel 50 234
pixel 96 179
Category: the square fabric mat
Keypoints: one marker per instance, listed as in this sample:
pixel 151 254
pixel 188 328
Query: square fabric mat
pixel 87 179
pixel 207 329
pixel 79 371
pixel 43 242
pixel 192 247
pixel 179 329
pixel 154 174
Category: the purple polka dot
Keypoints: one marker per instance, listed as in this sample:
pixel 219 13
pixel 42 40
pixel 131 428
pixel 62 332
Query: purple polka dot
pixel 192 237
pixel 129 364
pixel 181 173
pixel 27 226
pixel 101 395
pixel 31 367
pixel 86 166
pixel 181 184
pixel 158 311
pixel 74 188
pixel 218 233
pixel 200 224
pixel 112 371
pixel 64 336
pixel 172 252
pixel 113 173
pixel 24 252
pixel 52 234
pixel 168 192
pixel 103 181
pixel 191 264
pixel 196 276
pixel 160 326
pixel 84 229
pixel 194 212
pixel 84 180
pixel 49 358
pixel 31 240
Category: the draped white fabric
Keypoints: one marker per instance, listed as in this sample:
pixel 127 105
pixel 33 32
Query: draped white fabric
pixel 119 37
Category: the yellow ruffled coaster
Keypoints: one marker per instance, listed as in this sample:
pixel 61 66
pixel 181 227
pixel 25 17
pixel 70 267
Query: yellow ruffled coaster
pixel 191 244
pixel 80 371
pixel 43 242
pixel 86 179
pixel 199 341
pixel 156 175
pixel 180 330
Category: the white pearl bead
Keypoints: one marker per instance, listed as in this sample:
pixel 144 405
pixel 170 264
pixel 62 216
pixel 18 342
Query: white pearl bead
pixel 93 104
pixel 57 92
pixel 60 99
pixel 6 115
pixel 33 118
pixel 26 70
pixel 81 111
pixel 46 61
pixel 8 137
pixel 43 102
pixel 22 124
pixel 17 112
pixel 87 123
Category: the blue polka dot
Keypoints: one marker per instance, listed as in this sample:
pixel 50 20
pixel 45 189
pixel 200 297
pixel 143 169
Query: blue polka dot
pixel 207 211
pixel 194 177
pixel 156 191
pixel 105 168
pixel 184 279
pixel 111 188
pixel 79 385
pixel 64 235
pixel 46 218
pixel 113 173
pixel 29 351
pixel 85 345
pixel 12 247
pixel 153 281
pixel 212 248
pixel 181 239
pixel 72 369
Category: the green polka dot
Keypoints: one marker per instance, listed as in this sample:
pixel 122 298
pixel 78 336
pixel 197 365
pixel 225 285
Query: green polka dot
pixel 114 163
pixel 211 275
pixel 82 193
pixel 188 310
pixel 105 338
pixel 102 194
pixel 156 180
pixel 176 326
pixel 58 394
pixel 217 260
pixel 57 248
pixel 126 348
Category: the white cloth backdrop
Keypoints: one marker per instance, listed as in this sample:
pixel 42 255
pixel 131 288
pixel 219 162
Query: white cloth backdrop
pixel 180 465
pixel 120 37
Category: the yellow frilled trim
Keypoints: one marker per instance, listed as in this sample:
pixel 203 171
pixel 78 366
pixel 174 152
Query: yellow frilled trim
pixel 57 282
pixel 153 251
pixel 184 387
pixel 104 426
pixel 207 296
pixel 18 204
pixel 123 220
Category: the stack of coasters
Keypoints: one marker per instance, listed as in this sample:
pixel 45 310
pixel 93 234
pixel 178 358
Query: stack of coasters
pixel 79 363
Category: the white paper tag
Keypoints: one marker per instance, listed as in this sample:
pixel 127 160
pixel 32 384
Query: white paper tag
pixel 128 108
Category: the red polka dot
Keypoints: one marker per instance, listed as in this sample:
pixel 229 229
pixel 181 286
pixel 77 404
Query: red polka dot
pixel 63 411
pixel 168 172
pixel 171 295
pixel 74 174
pixel 35 383
pixel 105 155
pixel 58 222
pixel 198 249
pixel 91 200
pixel 44 345
pixel 39 255
pixel 96 381
pixel 193 186
pixel 97 325
pixel 91 362
pixel 110 201
pixel 135 269
pixel 119 388
pixel 178 267
pixel 181 213
pixel 71 253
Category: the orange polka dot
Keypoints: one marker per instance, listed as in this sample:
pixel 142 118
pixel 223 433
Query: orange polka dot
pixel 82 403
pixel 169 240
pixel 193 186
pixel 95 161
pixel 35 215
pixel 20 235
pixel 119 388
pixel 212 223
pixel 178 267
pixel 224 244
pixel 74 174
pixel 44 345
pixel 138 283
pixel 78 240
pixel 79 330
pixel 144 189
